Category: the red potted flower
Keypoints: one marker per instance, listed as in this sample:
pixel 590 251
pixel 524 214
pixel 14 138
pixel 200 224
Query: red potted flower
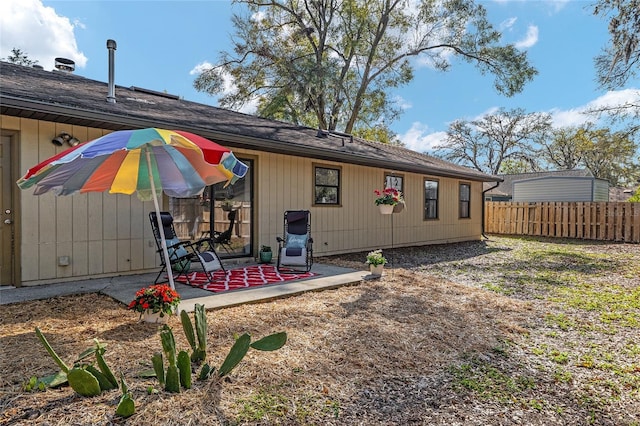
pixel 155 303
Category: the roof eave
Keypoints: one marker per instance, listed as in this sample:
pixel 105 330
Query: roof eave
pixel 101 119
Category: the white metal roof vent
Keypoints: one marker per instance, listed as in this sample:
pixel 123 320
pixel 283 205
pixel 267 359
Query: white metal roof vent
pixel 64 64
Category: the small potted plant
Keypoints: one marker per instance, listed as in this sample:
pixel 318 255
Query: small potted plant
pixel 376 262
pixel 387 199
pixel 265 254
pixel 155 303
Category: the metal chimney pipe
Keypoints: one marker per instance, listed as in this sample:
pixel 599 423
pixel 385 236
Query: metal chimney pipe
pixel 111 96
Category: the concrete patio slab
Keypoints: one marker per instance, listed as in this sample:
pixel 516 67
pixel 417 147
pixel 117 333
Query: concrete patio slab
pixel 123 288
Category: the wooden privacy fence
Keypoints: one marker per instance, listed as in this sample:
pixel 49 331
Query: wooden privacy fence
pixel 589 221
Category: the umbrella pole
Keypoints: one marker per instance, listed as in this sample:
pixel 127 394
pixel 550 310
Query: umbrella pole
pixel 165 251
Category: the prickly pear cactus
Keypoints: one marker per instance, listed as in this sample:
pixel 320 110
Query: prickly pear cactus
pixel 83 382
pixel 236 353
pixel 172 377
pixel 200 317
pixel 172 380
pixel 272 342
pixel 105 384
pixel 168 345
pixel 184 366
pixel 205 372
pixel 126 406
pixel 104 368
pixel 187 327
pixel 200 348
pixel 53 353
pixel 158 367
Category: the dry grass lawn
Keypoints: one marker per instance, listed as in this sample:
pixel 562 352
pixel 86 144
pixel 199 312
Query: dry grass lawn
pixel 499 332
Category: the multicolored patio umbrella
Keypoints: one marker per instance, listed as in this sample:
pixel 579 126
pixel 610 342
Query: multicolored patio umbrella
pixel 146 161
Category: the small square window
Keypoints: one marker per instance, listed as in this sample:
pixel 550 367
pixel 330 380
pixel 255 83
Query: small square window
pixel 394 181
pixel 326 185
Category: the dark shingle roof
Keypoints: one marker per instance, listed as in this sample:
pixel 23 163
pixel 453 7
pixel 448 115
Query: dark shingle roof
pixel 72 99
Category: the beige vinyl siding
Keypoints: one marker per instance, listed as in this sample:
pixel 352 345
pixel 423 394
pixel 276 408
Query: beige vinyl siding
pixel 109 234
pixel 286 183
pixel 103 234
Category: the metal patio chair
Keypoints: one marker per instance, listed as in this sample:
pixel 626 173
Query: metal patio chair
pixel 295 248
pixel 183 253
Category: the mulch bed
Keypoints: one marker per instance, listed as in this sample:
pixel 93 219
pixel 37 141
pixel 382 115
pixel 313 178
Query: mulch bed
pixel 380 352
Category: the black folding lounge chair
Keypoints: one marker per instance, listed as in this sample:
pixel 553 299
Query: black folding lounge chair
pixel 224 238
pixel 182 253
pixel 295 249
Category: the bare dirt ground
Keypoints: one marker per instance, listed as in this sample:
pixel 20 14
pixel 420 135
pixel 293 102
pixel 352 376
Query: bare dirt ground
pixel 509 331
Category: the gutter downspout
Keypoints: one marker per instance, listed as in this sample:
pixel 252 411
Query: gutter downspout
pixel 483 202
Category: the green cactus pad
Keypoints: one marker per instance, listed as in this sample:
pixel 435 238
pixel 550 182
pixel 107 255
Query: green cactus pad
pixel 184 365
pixel 52 353
pixel 272 342
pixel 83 382
pixel 55 380
pixel 105 384
pixel 188 329
pixel 236 353
pixel 104 368
pixel 158 367
pixel 172 380
pixel 200 317
pixel 126 407
pixel 168 345
pixel 205 372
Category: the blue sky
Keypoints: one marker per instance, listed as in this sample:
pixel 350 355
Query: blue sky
pixel 163 44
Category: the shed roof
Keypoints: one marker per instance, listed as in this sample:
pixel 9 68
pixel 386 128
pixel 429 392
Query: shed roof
pixel 68 98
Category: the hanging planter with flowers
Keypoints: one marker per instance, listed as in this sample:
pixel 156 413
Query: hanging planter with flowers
pixel 388 199
pixel 155 303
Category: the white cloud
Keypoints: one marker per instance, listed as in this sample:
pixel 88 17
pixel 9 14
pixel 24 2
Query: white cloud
pixel 228 85
pixel 616 97
pixel 200 68
pixel 421 138
pixel 568 118
pixel 39 32
pixel 402 103
pixel 558 5
pixel 529 40
pixel 508 24
pixel 418 138
pixel 577 116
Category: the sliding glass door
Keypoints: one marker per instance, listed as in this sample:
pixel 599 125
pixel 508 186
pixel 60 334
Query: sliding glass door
pixel 225 214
